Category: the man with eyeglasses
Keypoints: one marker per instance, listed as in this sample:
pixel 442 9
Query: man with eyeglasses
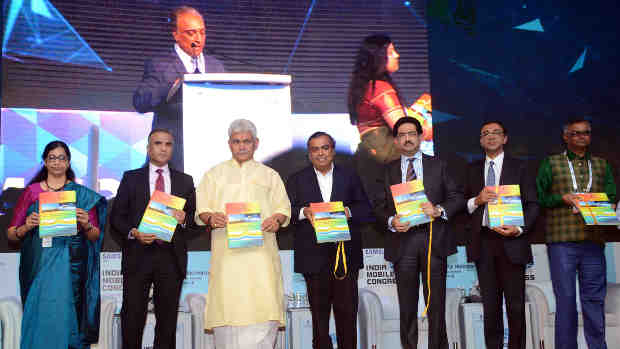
pixel 157 92
pixel 245 300
pixel 574 248
pixel 500 253
pixel 329 269
pixel 408 246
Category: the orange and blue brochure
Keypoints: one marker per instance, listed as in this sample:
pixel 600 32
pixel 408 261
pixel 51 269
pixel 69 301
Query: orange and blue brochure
pixel 507 209
pixel 596 209
pixel 57 216
pixel 408 197
pixel 158 218
pixel 244 223
pixel 330 222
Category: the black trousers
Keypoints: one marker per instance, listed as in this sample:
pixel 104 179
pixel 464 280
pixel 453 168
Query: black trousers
pixel 159 267
pixel 408 269
pixel 499 278
pixel 325 292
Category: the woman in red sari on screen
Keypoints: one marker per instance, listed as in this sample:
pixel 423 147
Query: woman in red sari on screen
pixel 375 105
pixel 59 276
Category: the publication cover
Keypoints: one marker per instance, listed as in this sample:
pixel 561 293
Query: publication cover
pixel 57 215
pixel 330 222
pixel 408 197
pixel 507 209
pixel 243 226
pixel 596 209
pixel 158 218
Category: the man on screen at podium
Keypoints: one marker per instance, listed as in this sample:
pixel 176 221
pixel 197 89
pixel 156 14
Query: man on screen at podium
pixel 500 253
pixel 330 272
pixel 245 300
pixel 158 91
pixel 407 246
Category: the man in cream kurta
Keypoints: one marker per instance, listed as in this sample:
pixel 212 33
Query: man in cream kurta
pixel 245 300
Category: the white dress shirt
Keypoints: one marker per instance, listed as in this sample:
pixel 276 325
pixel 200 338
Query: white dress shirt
pixel 326 182
pixel 153 177
pixel 189 62
pixel 498 162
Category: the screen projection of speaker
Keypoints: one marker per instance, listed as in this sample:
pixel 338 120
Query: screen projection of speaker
pixel 212 101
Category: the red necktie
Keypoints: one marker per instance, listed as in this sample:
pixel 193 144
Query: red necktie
pixel 159 183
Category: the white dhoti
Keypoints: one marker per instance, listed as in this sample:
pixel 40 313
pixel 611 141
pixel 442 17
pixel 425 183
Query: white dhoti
pixel 258 336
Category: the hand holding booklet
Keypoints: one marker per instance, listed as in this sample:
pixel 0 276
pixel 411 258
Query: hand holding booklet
pixel 596 209
pixel 330 222
pixel 57 214
pixel 158 218
pixel 507 209
pixel 244 224
pixel 408 198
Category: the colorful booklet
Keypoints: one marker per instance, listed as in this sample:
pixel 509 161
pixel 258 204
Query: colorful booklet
pixel 244 223
pixel 57 216
pixel 408 197
pixel 330 222
pixel 596 209
pixel 507 209
pixel 158 218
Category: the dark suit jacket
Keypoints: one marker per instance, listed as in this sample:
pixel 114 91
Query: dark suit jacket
pixel 303 188
pixel 150 96
pixel 440 189
pixel 514 171
pixel 132 197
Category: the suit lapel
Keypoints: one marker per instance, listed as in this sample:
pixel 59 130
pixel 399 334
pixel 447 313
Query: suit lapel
pixel 480 182
pixel 145 184
pixel 174 183
pixel 316 189
pixel 337 184
pixel 507 170
pixel 396 175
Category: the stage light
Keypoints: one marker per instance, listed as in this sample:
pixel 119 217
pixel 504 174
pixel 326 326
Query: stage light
pixel 407 3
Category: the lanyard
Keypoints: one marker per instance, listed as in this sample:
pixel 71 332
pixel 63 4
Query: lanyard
pixel 572 175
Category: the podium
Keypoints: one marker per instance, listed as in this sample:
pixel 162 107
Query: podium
pixel 212 101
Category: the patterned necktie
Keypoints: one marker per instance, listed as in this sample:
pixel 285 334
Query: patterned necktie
pixel 411 176
pixel 490 182
pixel 196 70
pixel 159 183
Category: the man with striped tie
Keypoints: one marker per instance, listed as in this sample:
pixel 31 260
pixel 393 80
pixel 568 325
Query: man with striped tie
pixel 146 260
pixel 502 252
pixel 408 246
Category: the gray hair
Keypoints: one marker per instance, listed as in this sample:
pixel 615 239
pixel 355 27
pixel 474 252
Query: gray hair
pixel 575 120
pixel 242 125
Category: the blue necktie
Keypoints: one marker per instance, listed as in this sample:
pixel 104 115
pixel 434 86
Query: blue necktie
pixel 490 182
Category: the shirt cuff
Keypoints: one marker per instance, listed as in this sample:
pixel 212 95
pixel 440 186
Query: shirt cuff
pixel 444 215
pixel 471 205
pixel 130 236
pixel 390 227
pixel 520 231
pixel 302 216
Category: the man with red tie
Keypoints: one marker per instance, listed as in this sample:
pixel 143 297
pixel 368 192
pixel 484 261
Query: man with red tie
pixel 146 260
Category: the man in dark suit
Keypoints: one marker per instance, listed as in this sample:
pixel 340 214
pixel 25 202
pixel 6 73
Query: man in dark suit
pixel 326 182
pixel 158 90
pixel 147 260
pixel 408 246
pixel 500 253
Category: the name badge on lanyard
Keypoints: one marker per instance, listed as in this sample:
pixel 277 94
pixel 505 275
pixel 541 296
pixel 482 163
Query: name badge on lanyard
pixel 574 179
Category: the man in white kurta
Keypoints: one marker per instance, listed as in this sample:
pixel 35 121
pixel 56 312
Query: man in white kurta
pixel 245 301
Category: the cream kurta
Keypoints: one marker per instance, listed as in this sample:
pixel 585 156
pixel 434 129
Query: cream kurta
pixel 245 284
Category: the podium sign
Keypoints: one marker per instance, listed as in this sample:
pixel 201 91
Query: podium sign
pixel 212 101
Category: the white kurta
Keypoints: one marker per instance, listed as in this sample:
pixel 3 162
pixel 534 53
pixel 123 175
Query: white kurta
pixel 245 284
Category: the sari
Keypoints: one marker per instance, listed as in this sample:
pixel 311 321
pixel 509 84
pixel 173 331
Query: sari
pixel 60 284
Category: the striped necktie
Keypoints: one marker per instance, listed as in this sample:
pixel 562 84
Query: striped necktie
pixel 411 176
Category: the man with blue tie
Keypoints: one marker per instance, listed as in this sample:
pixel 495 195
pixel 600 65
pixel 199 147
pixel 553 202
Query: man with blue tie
pixel 502 252
pixel 329 282
pixel 158 91
pixel 408 246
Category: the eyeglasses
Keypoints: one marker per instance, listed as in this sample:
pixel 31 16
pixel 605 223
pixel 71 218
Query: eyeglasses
pixel 586 133
pixel 494 132
pixel 407 134
pixel 54 158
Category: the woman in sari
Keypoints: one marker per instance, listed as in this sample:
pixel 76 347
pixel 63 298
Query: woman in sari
pixel 375 105
pixel 59 276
